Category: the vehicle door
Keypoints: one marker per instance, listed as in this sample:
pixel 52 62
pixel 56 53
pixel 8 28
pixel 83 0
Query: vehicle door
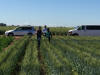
pixel 18 31
pixel 25 31
pixel 81 31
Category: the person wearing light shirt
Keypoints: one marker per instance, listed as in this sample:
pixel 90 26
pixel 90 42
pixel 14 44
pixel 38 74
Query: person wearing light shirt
pixel 44 30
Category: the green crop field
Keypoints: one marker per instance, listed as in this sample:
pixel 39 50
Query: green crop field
pixel 5 41
pixel 64 55
pixel 60 30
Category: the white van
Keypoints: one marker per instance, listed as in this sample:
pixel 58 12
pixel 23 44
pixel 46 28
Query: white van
pixel 85 30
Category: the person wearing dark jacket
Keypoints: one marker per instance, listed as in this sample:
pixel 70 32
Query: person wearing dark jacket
pixel 39 33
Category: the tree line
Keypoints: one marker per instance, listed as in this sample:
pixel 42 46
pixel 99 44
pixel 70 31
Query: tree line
pixel 3 24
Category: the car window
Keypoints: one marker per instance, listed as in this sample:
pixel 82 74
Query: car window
pixel 20 28
pixel 93 27
pixel 24 28
pixel 27 28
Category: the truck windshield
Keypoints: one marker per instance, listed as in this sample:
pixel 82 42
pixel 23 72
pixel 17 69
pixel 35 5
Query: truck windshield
pixel 76 27
pixel 80 28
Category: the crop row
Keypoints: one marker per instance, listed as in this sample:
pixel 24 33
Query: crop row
pixel 55 62
pixel 62 56
pixel 5 41
pixel 10 57
pixel 30 64
pixel 83 62
pixel 89 46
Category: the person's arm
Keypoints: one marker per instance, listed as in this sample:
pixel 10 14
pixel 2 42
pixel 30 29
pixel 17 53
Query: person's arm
pixel 36 32
pixel 41 32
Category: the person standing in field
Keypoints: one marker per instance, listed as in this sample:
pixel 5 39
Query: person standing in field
pixel 44 30
pixel 39 34
pixel 48 34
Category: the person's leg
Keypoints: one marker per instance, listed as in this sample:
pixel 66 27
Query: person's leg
pixel 49 39
pixel 38 41
pixel 45 34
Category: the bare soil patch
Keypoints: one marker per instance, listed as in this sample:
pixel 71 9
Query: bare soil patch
pixel 41 61
pixel 15 38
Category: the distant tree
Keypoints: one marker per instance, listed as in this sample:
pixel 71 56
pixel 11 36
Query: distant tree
pixel 18 25
pixel 12 25
pixel 3 24
pixel 28 25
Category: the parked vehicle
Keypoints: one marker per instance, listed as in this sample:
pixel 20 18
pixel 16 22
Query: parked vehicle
pixel 85 30
pixel 24 30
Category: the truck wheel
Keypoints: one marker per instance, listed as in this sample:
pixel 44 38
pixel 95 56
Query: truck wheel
pixel 75 35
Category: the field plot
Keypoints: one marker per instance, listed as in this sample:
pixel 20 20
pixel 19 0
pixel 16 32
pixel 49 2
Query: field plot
pixel 62 56
pixel 5 41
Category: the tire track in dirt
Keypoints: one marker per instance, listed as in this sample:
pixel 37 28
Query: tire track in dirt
pixel 41 61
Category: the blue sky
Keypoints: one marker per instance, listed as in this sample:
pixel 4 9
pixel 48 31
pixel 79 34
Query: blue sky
pixel 50 12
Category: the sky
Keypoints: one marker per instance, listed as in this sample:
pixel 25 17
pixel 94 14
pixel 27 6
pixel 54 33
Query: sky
pixel 50 12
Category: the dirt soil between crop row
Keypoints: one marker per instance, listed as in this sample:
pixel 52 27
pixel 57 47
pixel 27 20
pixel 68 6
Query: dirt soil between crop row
pixel 41 61
pixel 15 39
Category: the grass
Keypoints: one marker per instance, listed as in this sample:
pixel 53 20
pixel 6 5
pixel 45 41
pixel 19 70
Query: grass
pixel 5 41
